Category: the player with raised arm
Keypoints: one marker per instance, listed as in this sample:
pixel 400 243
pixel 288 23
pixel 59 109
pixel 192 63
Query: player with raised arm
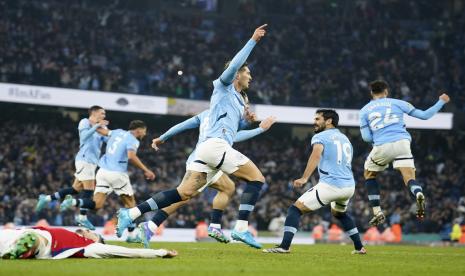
pixel 332 154
pixel 113 173
pixel 382 124
pixel 91 136
pixel 220 182
pixel 228 107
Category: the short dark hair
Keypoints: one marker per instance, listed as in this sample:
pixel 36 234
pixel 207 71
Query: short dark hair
pixel 94 108
pixel 137 124
pixel 378 86
pixel 226 65
pixel 329 114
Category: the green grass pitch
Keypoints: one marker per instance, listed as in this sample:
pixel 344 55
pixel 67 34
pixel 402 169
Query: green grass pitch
pixel 237 259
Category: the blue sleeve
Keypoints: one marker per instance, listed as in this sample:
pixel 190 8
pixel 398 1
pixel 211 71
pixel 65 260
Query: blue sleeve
pixel 430 112
pixel 363 120
pixel 239 59
pixel 86 133
pixel 367 136
pixel 316 139
pixel 247 134
pixel 365 130
pixel 406 107
pixel 243 124
pixel 190 123
pixel 132 145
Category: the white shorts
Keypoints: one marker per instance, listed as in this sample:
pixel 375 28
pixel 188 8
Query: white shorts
pixel 109 181
pixel 322 194
pixel 212 176
pixel 216 154
pixel 398 153
pixel 84 171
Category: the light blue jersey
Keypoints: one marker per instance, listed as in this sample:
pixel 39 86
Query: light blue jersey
pixel 90 142
pixel 335 166
pixel 226 104
pixel 382 120
pixel 116 154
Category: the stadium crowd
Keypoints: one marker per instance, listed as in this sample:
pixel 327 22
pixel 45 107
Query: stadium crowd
pixel 320 53
pixel 37 156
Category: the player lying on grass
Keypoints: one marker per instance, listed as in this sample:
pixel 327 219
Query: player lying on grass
pixel 332 154
pixel 59 243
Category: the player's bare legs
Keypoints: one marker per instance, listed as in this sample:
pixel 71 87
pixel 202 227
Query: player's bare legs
pixel 99 200
pixel 408 175
pixel 226 189
pixel 191 183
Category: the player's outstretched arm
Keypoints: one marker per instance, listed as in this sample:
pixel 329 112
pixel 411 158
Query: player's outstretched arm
pixel 247 134
pixel 190 123
pixel 86 133
pixel 239 59
pixel 430 112
pixel 312 163
pixel 132 156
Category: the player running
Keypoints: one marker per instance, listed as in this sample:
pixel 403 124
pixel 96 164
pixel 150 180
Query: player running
pixel 113 173
pixel 59 243
pixel 220 182
pixel 227 108
pixel 382 124
pixel 92 132
pixel 332 154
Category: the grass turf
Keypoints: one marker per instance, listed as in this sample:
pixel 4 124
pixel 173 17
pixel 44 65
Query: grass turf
pixel 218 259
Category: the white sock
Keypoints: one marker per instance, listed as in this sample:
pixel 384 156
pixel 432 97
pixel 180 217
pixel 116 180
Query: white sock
pixel 82 217
pixel 134 213
pixel 152 226
pixel 133 233
pixel 215 225
pixel 48 198
pixel 241 225
pixel 376 209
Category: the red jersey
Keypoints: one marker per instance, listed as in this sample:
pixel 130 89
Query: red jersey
pixel 63 240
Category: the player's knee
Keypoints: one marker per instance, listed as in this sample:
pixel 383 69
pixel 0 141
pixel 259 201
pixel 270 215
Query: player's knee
pixel 77 186
pixel 99 205
pixel 229 189
pixel 187 193
pixel 369 174
pixel 258 177
pixel 300 205
pixel 337 214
